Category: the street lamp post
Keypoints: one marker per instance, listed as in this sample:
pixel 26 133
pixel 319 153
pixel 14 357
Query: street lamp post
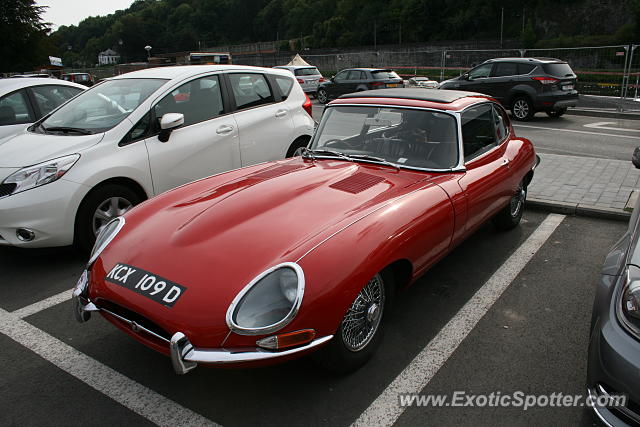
pixel 148 49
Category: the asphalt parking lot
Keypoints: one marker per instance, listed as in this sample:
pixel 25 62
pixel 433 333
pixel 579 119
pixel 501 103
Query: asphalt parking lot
pixel 535 284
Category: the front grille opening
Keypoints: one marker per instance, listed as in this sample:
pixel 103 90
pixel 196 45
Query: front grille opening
pixel 6 189
pixel 134 317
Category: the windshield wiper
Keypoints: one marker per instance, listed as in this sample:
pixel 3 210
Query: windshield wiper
pixel 373 159
pixel 312 153
pixel 67 129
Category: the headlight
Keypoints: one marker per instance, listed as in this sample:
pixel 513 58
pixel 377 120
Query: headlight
pixel 269 302
pixel 105 237
pixel 628 304
pixel 40 174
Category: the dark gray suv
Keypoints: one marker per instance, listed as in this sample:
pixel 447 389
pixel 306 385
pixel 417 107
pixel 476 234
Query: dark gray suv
pixel 524 85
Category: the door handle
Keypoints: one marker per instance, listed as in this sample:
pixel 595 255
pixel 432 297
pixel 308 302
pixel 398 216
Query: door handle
pixel 224 129
pixel 281 113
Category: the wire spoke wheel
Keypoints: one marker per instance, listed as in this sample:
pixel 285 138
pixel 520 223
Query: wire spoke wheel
pixel 363 318
pixel 517 201
pixel 111 208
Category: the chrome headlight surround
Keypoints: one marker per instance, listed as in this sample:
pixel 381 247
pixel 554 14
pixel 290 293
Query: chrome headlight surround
pixel 628 301
pixel 237 302
pixel 40 174
pixel 106 235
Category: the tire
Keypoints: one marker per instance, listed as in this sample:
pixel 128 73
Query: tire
pixel 522 108
pixel 116 198
pixel 556 113
pixel 509 217
pixel 296 145
pixel 322 96
pixel 346 352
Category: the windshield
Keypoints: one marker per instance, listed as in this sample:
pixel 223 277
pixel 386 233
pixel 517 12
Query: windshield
pixel 313 71
pixel 405 137
pixel 101 107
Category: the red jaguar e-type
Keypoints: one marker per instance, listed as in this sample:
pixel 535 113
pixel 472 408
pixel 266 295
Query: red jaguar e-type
pixel 272 261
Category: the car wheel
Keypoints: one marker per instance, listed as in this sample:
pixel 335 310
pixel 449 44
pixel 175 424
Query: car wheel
pixel 556 113
pixel 360 330
pixel 322 96
pixel 510 216
pixel 296 146
pixel 99 207
pixel 522 108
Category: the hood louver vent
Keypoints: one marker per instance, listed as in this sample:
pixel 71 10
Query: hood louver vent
pixel 274 171
pixel 357 183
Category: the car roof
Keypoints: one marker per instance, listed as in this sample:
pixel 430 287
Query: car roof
pixel 9 85
pixel 525 60
pixel 294 67
pixel 426 98
pixel 368 69
pixel 73 74
pixel 184 71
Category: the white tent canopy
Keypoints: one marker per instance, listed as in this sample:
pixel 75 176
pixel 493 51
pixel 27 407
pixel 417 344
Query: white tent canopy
pixel 297 60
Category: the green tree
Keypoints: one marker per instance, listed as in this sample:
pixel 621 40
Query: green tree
pixel 23 34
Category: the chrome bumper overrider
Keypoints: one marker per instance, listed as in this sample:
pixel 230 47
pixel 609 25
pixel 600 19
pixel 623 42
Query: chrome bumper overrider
pixel 184 356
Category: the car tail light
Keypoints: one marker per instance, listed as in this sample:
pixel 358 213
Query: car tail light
pixel 307 106
pixel 300 81
pixel 322 79
pixel 376 84
pixel 546 80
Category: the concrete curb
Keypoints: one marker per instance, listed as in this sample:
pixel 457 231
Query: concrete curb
pixel 577 209
pixel 603 114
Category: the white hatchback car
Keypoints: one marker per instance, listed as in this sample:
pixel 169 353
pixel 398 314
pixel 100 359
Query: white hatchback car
pixel 308 76
pixel 140 134
pixel 25 100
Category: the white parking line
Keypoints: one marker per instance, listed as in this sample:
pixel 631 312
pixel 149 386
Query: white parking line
pixel 134 396
pixel 577 131
pixel 43 305
pixel 385 410
pixel 603 125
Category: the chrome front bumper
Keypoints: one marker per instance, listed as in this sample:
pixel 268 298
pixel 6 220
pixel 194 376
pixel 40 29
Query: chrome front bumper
pixel 184 356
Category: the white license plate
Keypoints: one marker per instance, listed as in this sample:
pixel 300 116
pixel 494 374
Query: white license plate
pixel 567 87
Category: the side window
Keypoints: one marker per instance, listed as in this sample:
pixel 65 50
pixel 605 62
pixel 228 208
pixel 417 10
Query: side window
pixel 478 131
pixel 250 90
pixel 500 121
pixel 480 72
pixel 355 75
pixel 505 69
pixel 285 84
pixel 49 98
pixel 198 100
pixel 14 109
pixel 342 75
pixel 525 68
pixel 138 132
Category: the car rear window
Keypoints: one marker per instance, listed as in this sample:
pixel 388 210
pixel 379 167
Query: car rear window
pixel 525 68
pixel 558 69
pixel 384 75
pixel 312 71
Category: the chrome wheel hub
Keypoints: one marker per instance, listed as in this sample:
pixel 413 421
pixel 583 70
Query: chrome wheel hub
pixel 108 210
pixel 520 109
pixel 362 321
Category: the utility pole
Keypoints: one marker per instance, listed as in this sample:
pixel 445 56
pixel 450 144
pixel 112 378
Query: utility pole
pixel 400 34
pixel 501 25
pixel 523 10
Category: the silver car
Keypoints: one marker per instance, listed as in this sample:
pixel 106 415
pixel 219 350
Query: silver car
pixel 308 76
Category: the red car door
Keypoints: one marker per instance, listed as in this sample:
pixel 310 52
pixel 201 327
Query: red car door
pixel 487 181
